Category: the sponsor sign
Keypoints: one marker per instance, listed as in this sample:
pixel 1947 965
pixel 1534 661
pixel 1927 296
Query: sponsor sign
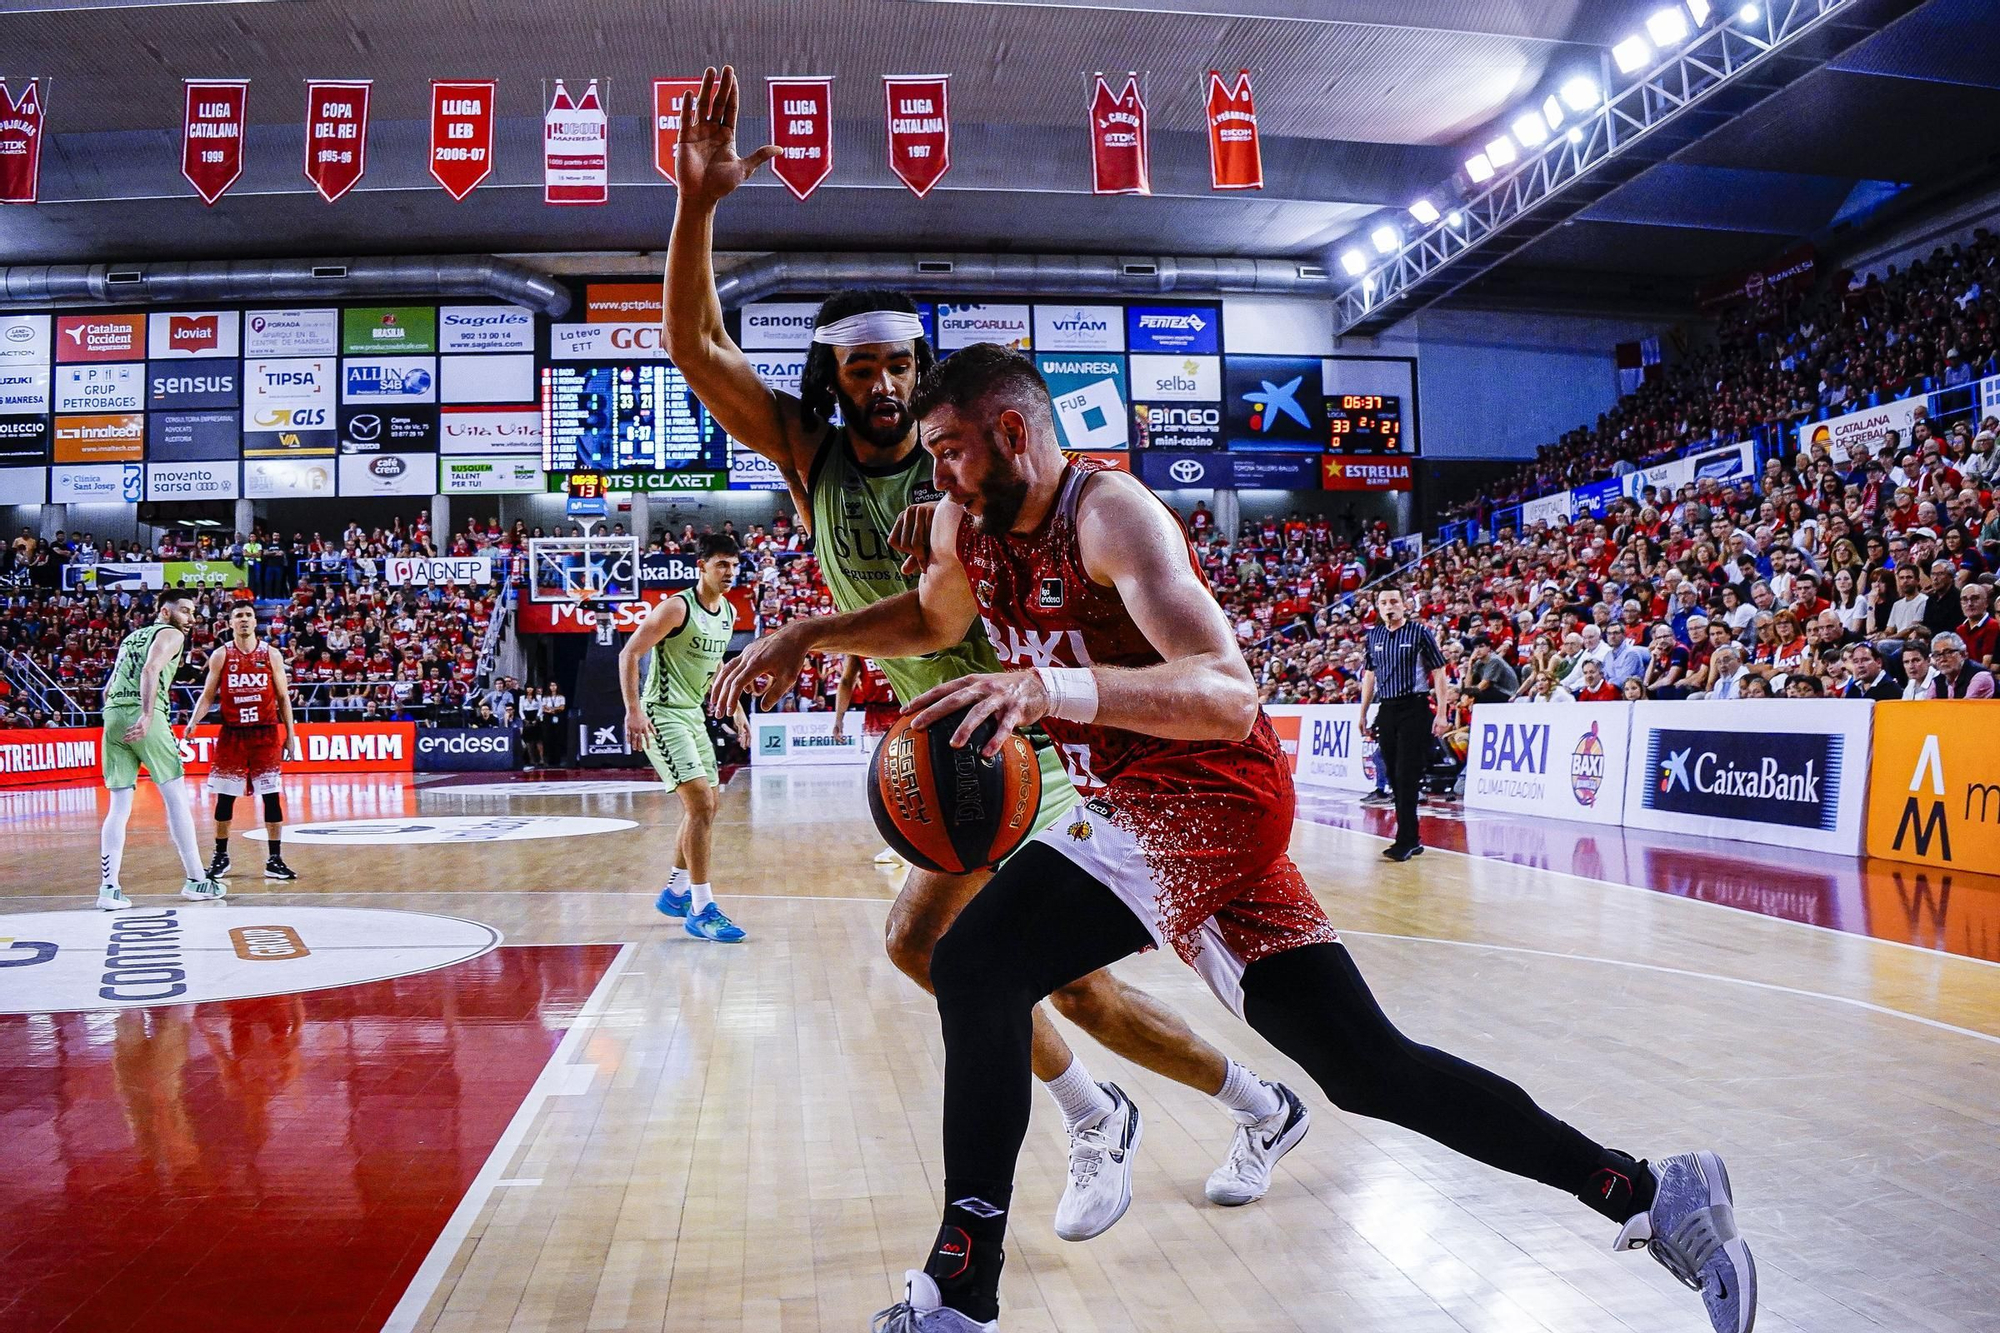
pixel 455 570
pixel 461 134
pixel 404 330
pixel 1863 433
pixel 576 148
pixel 108 574
pixel 798 739
pixel 388 430
pixel 289 333
pixel 751 471
pixel 1082 328
pixel 290 442
pixel 571 618
pixel 606 342
pixel 778 325
pixel 77 961
pixel 667 95
pixel 193 481
pixel 293 382
pixel 1789 772
pixel 1793 268
pixel 962 325
pixel 623 303
pixel 1177 379
pixel 101 438
pixel 1167 472
pixel 1273 472
pixel 1234 160
pixel 1347 473
pixel 95 388
pixel 780 370
pixel 1274 401
pixel 1325 745
pixel 919 124
pixel 802 128
pixel 491 476
pixel 660 570
pixel 193 334
pixel 97 484
pixel 1566 762
pixel 25 388
pixel 172 385
pixel 400 379
pixel 560 787
pixel 388 474
pixel 486 328
pixel 287 478
pixel 100 338
pixel 650 483
pixel 1549 510
pixel 20 143
pixel 487 379
pixel 203 574
pixel 1596 497
pixel 490 430
pixel 1181 330
pixel 1934 784
pixel 465 749
pixel 194 437
pixel 24 340
pixel 23 485
pixel 24 440
pixel 1118 161
pixel 336 135
pixel 1088 391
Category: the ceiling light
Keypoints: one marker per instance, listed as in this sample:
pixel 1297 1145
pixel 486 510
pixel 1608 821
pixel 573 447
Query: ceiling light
pixel 1454 218
pixel 1576 134
pixel 1749 14
pixel 1667 27
pixel 1386 239
pixel 1631 54
pixel 1552 111
pixel 1530 129
pixel 1479 168
pixel 1699 10
pixel 1354 262
pixel 1501 151
pixel 1424 211
pixel 1579 94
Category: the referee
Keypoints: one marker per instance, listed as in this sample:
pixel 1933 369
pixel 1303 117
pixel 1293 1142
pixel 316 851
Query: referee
pixel 1400 655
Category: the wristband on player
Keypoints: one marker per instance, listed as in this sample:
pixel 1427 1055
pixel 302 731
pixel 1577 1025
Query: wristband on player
pixel 1072 693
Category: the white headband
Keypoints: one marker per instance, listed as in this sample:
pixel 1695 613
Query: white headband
pixel 871 326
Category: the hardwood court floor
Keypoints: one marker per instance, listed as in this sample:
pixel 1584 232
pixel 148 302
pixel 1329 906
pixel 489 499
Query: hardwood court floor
pixel 747 1138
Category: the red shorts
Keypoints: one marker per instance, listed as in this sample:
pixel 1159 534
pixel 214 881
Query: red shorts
pixel 876 719
pixel 246 761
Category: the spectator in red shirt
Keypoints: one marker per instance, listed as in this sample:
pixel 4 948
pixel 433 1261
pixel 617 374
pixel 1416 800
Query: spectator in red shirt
pixel 1980 630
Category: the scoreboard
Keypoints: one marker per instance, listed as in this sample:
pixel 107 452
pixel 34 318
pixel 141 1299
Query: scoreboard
pixel 1365 423
pixel 626 418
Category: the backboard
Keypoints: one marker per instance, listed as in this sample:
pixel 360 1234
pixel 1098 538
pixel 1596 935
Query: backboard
pixel 578 569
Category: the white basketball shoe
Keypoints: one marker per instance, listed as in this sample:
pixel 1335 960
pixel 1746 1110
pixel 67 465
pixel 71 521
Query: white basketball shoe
pixel 922 1310
pixel 1100 1169
pixel 111 898
pixel 1245 1175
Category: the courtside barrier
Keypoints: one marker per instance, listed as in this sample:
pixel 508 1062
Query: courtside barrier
pixel 780 739
pixel 1934 785
pixel 1564 761
pixel 1325 745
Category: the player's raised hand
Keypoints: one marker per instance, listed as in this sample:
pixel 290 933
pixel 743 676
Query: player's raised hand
pixel 912 536
pixel 706 166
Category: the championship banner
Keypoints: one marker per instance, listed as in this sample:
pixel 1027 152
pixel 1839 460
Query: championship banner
pixel 1235 161
pixel 576 149
pixel 919 111
pixel 667 95
pixel 802 128
pixel 1118 139
pixel 461 134
pixel 336 135
pixel 212 135
pixel 20 143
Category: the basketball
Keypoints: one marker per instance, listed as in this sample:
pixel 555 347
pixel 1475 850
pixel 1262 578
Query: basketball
pixel 947 809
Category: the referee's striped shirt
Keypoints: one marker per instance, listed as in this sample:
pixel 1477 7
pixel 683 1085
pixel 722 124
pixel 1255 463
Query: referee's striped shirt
pixel 1402 659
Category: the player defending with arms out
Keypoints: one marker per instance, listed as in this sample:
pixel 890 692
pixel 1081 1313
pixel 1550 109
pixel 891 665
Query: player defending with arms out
pixel 137 735
pixel 249 678
pixel 686 635
pixel 1091 592
pixel 856 484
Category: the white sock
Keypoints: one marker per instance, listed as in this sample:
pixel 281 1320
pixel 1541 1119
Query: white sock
pixel 678 881
pixel 111 840
pixel 1243 1091
pixel 702 897
pixel 1079 1096
pixel 180 826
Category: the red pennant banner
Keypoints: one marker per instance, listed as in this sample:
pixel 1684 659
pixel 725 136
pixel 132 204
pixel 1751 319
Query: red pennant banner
pixel 576 149
pixel 919 111
pixel 1118 139
pixel 667 94
pixel 336 135
pixel 20 143
pixel 802 128
pixel 212 135
pixel 461 134
pixel 1235 162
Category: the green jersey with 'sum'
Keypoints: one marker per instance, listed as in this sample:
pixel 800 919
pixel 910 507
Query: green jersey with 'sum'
pixel 122 689
pixel 687 659
pixel 853 509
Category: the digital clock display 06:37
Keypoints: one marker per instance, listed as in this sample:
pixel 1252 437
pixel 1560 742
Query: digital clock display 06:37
pixel 1364 423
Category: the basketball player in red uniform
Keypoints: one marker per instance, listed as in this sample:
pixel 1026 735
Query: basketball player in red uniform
pixel 1092 596
pixel 249 679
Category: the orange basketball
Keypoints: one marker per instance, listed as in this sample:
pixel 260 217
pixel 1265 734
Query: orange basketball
pixel 947 809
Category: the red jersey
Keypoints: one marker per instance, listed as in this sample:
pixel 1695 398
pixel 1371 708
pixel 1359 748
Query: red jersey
pixel 249 688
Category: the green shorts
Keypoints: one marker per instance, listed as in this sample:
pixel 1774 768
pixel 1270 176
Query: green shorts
pixel 680 750
pixel 159 753
pixel 1059 794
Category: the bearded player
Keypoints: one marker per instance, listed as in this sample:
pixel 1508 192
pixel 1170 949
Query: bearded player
pixel 853 483
pixel 1092 595
pixel 249 678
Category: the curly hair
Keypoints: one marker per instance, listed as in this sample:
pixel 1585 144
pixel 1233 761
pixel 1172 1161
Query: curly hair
pixel 818 382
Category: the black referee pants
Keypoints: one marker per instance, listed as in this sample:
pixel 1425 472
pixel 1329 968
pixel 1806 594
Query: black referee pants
pixel 1403 729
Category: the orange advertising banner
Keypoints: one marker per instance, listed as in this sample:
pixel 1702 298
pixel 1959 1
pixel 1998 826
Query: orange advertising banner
pixel 1934 784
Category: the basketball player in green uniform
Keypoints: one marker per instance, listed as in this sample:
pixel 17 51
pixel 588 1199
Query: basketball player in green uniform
pixel 686 636
pixel 137 735
pixel 856 484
